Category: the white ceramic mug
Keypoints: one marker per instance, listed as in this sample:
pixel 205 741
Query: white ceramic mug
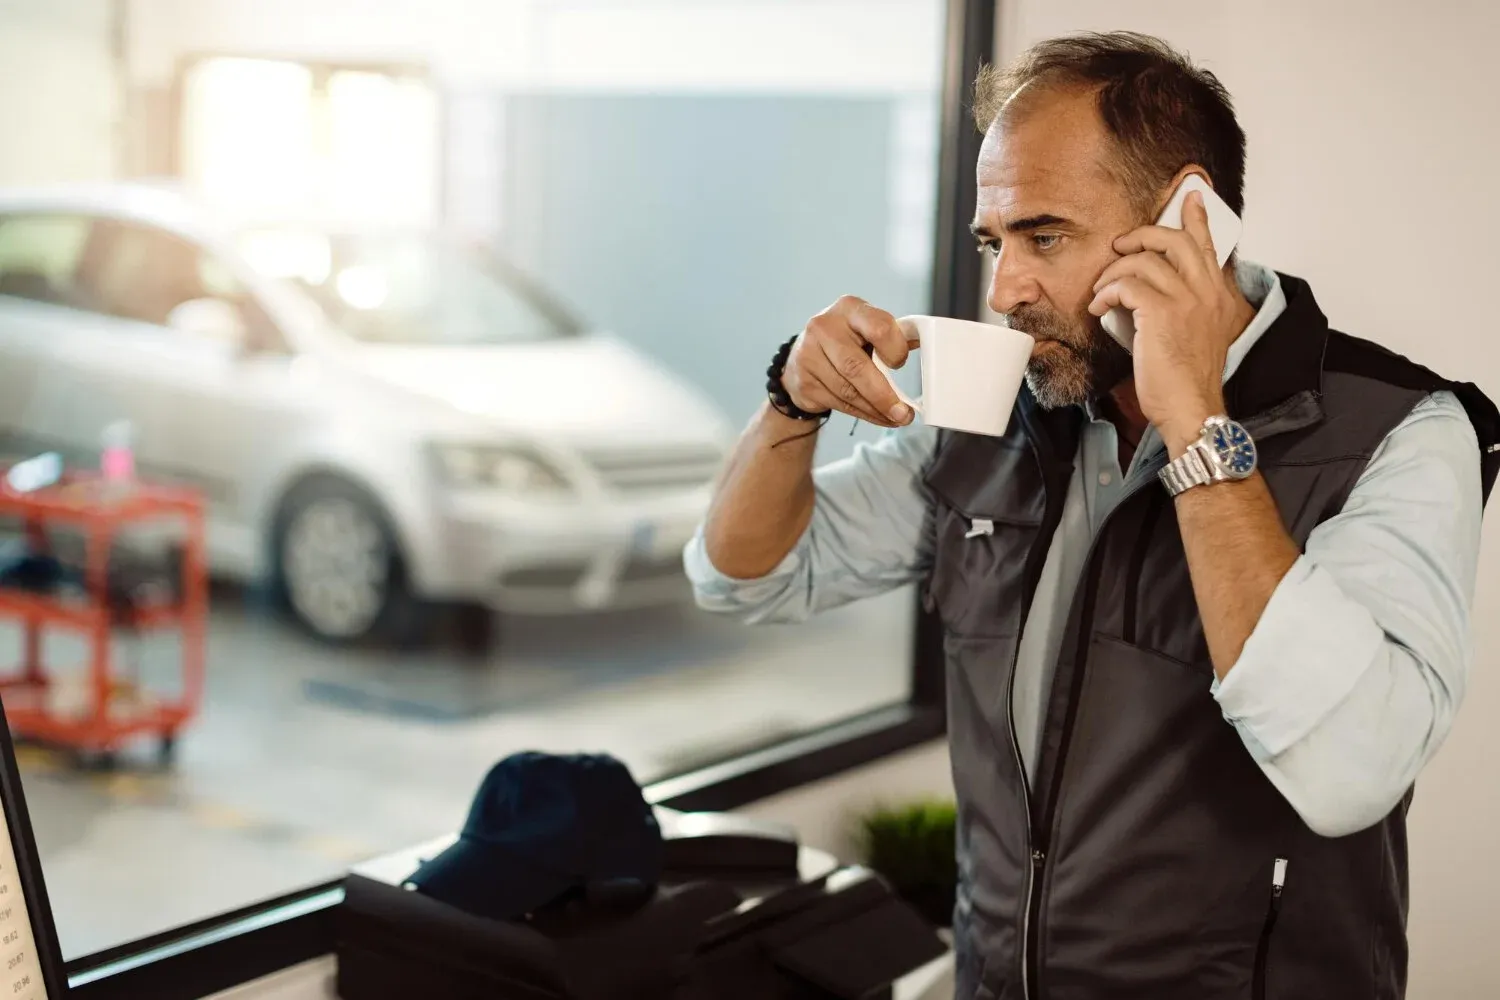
pixel 971 372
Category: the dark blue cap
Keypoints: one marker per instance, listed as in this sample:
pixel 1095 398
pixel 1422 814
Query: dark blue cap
pixel 541 826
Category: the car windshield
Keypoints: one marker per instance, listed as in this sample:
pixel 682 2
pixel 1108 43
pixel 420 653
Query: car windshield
pixel 412 289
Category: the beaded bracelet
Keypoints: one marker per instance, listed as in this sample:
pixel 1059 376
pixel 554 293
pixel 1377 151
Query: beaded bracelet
pixel 777 393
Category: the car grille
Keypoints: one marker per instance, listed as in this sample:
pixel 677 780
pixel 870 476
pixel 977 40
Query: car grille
pixel 638 570
pixel 655 469
pixel 543 578
pixel 642 570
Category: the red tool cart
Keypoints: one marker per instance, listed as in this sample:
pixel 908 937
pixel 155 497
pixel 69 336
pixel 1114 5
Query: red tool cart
pixel 107 709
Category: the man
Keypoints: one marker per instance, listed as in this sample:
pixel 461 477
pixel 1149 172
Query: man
pixel 1184 722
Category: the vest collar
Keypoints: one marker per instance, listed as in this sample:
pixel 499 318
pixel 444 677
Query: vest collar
pixel 1287 361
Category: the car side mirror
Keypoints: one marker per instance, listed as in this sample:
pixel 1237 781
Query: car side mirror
pixel 210 319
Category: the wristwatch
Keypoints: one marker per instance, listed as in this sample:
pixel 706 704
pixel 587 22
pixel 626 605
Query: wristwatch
pixel 1224 452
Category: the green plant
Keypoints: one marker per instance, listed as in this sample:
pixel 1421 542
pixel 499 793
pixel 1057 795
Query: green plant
pixel 912 847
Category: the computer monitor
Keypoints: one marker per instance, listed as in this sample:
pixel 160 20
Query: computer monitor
pixel 31 966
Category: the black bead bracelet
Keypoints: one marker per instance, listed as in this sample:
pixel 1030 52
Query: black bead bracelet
pixel 777 393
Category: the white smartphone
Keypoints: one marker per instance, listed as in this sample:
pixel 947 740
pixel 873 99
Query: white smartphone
pixel 1223 225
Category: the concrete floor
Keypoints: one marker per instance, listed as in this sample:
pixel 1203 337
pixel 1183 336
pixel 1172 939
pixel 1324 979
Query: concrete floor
pixel 306 758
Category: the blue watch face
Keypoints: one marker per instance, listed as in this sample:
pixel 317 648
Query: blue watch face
pixel 1235 449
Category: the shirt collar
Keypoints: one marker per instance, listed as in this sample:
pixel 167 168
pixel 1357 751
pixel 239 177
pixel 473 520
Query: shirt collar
pixel 1262 287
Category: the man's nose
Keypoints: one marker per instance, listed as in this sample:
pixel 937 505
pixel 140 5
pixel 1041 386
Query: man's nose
pixel 1012 284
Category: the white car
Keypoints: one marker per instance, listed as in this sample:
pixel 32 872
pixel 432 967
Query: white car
pixel 408 425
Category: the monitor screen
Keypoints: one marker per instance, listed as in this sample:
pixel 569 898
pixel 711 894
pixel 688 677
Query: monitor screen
pixel 30 960
pixel 21 976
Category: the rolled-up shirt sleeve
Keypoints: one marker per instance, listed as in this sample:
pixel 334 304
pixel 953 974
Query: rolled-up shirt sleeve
pixel 868 534
pixel 1352 677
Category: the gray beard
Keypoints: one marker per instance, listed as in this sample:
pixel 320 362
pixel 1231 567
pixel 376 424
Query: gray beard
pixel 1070 377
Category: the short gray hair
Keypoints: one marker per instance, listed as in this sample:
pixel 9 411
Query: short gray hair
pixel 1162 111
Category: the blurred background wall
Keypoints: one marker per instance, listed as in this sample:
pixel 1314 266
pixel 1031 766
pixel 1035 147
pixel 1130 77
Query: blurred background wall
pixel 67 55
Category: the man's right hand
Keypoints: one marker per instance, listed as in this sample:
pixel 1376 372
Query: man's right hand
pixel 829 369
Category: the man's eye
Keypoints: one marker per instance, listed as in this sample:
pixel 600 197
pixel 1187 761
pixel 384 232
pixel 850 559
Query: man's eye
pixel 991 247
pixel 1046 241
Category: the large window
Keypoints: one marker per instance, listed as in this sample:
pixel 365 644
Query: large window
pixel 515 271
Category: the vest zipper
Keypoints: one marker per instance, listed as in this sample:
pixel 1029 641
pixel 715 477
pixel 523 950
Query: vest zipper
pixel 1035 561
pixel 1262 949
pixel 1034 873
pixel 1041 826
pixel 1033 896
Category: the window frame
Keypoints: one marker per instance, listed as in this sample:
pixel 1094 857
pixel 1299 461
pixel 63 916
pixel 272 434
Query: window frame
pixel 230 949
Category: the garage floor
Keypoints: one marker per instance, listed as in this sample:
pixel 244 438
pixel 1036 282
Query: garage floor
pixel 307 758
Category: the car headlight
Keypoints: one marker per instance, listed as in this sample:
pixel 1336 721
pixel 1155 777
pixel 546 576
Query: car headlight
pixel 512 470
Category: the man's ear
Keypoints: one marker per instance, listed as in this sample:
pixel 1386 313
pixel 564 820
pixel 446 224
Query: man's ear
pixel 1165 194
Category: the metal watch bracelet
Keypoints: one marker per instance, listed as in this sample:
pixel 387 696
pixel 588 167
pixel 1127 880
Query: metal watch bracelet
pixel 1191 468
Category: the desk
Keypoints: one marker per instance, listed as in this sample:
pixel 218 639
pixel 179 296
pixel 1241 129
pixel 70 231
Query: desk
pixel 762 931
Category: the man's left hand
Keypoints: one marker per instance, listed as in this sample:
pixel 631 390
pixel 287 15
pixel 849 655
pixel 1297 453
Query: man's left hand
pixel 1186 316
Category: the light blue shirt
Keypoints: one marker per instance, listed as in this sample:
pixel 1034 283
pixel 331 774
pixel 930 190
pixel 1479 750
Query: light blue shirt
pixel 1349 682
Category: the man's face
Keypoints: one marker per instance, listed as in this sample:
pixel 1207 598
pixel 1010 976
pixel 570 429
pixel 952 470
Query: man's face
pixel 1049 211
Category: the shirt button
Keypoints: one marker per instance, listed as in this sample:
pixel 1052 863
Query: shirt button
pixel 1105 479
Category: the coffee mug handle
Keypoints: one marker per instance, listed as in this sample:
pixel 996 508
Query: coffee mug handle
pixel 914 338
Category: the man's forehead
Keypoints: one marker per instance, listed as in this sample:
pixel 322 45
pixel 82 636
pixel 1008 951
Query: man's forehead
pixel 1052 159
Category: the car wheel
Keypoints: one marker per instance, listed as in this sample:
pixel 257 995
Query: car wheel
pixel 339 569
